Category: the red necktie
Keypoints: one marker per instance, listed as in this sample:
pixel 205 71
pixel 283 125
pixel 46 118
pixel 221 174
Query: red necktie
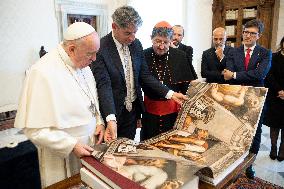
pixel 247 58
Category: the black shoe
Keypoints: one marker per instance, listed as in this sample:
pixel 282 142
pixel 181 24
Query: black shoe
pixel 250 172
pixel 273 152
pixel 280 158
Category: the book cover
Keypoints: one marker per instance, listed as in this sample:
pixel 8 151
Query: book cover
pixel 89 178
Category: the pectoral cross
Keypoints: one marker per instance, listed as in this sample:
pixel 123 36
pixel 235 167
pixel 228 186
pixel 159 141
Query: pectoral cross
pixel 92 109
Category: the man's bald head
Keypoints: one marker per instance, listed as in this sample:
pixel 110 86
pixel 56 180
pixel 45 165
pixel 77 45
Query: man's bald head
pixel 219 37
pixel 219 30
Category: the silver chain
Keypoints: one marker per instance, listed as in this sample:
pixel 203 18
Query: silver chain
pixel 90 97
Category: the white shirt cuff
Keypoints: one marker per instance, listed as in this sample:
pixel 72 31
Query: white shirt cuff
pixel 170 94
pixel 110 117
pixel 235 75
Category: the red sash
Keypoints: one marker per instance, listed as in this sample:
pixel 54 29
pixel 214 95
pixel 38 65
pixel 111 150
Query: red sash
pixel 159 107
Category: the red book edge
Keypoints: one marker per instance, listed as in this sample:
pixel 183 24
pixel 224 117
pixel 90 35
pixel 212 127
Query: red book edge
pixel 108 175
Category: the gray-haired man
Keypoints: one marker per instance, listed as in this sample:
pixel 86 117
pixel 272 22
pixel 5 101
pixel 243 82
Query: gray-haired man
pixel 121 71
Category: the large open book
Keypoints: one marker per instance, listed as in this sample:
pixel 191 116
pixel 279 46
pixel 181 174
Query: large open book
pixel 212 135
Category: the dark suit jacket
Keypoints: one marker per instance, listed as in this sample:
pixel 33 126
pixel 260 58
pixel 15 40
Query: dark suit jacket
pixel 189 52
pixel 258 66
pixel 109 75
pixel 181 73
pixel 211 67
pixel 275 82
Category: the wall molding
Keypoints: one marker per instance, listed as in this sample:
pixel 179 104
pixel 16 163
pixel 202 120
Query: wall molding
pixel 65 7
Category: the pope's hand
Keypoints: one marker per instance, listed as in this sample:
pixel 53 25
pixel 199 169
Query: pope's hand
pixel 99 133
pixel 179 97
pixel 111 131
pixel 81 150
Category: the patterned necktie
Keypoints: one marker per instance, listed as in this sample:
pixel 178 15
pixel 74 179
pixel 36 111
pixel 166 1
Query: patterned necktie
pixel 247 58
pixel 128 102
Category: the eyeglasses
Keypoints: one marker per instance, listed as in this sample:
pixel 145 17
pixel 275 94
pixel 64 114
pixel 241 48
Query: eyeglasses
pixel 160 42
pixel 250 33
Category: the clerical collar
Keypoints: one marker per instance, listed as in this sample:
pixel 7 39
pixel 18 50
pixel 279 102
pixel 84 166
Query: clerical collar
pixel 64 56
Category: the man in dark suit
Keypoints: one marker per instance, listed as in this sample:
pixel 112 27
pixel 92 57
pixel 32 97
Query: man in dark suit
pixel 176 43
pixel 214 59
pixel 249 65
pixel 120 71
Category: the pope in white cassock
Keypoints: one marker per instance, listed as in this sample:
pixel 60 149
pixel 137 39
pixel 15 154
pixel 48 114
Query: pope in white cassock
pixel 59 108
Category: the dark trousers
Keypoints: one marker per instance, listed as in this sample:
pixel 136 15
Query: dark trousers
pixel 127 122
pixel 255 145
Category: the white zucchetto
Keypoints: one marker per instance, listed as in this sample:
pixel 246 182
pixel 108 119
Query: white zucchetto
pixel 78 30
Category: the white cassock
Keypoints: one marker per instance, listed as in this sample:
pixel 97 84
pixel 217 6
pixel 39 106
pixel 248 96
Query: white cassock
pixel 54 112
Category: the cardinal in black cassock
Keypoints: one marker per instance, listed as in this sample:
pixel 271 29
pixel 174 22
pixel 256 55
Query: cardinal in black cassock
pixel 169 66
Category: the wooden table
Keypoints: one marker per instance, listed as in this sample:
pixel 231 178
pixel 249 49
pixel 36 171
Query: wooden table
pixel 75 180
pixel 66 183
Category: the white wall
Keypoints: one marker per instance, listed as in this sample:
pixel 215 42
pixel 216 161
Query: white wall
pixel 199 29
pixel 154 11
pixel 25 26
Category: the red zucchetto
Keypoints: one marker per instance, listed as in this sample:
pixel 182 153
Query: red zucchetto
pixel 163 24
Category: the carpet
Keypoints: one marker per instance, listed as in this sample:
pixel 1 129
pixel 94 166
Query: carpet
pixel 243 182
pixel 79 186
